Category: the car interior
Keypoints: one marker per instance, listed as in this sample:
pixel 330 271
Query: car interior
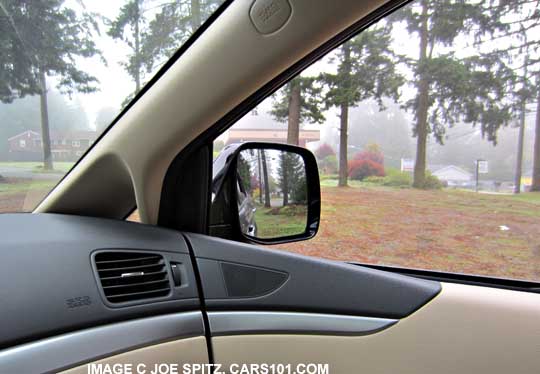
pixel 193 283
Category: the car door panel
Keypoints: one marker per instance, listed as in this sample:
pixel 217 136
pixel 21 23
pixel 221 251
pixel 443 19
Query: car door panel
pixel 306 284
pixel 172 354
pixel 262 306
pixel 357 321
pixel 86 345
pixel 464 329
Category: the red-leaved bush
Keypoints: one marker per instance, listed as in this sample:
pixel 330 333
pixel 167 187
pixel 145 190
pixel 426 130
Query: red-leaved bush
pixel 375 156
pixel 324 151
pixel 360 169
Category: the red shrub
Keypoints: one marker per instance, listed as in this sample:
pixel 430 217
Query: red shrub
pixel 374 156
pixel 360 169
pixel 324 151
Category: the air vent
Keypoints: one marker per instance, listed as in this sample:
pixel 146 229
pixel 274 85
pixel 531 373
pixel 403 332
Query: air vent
pixel 129 276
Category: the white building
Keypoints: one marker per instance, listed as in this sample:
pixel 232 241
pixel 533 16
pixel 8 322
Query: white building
pixel 453 174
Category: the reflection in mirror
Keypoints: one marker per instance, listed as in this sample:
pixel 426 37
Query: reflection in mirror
pixel 272 193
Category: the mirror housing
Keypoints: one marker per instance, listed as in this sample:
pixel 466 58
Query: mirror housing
pixel 234 211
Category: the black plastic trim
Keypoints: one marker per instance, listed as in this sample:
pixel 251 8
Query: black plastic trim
pixel 468 279
pixel 313 286
pixel 206 322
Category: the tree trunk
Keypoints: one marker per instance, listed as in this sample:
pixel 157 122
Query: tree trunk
pixel 293 132
pixel 260 176
pixel 45 133
pixel 137 50
pixel 423 106
pixel 195 15
pixel 343 140
pixel 266 185
pixel 519 153
pixel 536 153
pixel 344 117
pixel 285 184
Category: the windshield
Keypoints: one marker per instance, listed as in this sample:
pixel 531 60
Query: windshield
pixel 67 68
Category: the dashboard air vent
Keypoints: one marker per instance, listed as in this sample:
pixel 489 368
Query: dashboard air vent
pixel 129 276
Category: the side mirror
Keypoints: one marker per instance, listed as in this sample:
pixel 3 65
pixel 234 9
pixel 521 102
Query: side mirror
pixel 271 192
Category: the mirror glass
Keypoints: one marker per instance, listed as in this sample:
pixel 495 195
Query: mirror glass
pixel 272 193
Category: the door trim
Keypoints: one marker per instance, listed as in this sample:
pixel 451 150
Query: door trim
pixel 76 348
pixel 242 323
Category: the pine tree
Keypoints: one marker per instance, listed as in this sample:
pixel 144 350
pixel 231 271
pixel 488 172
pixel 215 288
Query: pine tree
pixel 154 33
pixel 298 102
pixel 130 27
pixel 451 88
pixel 366 70
pixel 520 43
pixel 262 154
pixel 44 38
pixel 290 171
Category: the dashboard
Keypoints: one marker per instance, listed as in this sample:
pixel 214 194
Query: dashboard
pixel 84 287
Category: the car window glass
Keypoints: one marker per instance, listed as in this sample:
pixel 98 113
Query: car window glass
pixel 426 129
pixel 67 68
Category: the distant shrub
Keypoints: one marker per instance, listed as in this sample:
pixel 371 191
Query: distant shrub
pixel 432 182
pixel 374 180
pixel 292 210
pixel 372 154
pixel 397 178
pixel 360 169
pixel 394 178
pixel 324 151
pixel 328 165
pixel 323 177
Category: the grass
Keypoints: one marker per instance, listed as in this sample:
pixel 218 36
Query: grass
pixel 23 195
pixel 37 167
pixel 10 188
pixel 277 225
pixel 447 230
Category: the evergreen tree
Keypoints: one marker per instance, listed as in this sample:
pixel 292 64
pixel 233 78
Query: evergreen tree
pixel 290 173
pixel 173 25
pixel 130 27
pixel 298 102
pixel 41 39
pixel 520 41
pixel 266 184
pixel 366 70
pixel 154 33
pixel 451 88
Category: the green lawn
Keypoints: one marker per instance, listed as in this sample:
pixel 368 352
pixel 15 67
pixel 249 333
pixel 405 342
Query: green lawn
pixel 37 167
pixel 11 188
pixel 447 230
pixel 277 225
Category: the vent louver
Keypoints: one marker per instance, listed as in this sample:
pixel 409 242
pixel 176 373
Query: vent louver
pixel 129 276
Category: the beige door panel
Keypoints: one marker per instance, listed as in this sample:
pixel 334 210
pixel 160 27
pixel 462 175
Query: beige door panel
pixel 465 329
pixel 179 352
